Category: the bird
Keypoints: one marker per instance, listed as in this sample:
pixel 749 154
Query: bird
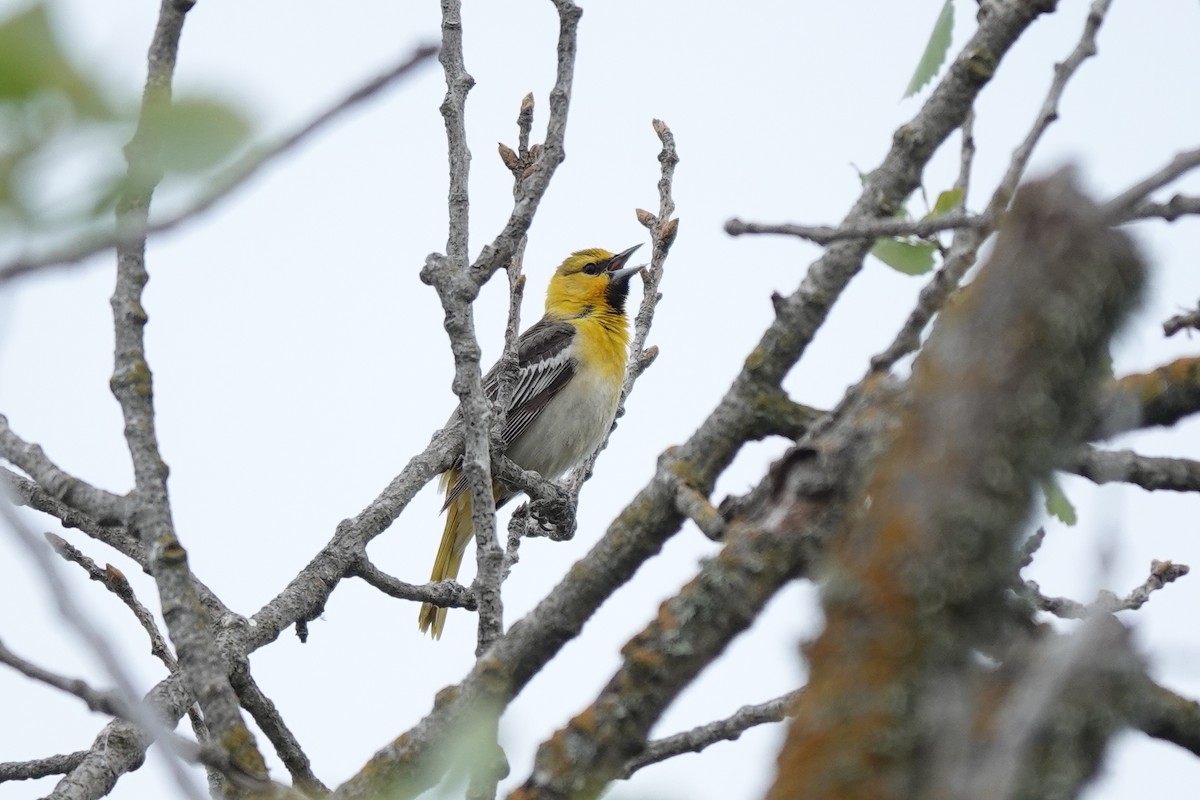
pixel 570 367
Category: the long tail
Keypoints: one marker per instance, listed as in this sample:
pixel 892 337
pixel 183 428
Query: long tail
pixel 457 534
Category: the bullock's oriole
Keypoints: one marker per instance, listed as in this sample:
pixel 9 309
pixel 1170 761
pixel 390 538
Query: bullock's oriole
pixel 570 367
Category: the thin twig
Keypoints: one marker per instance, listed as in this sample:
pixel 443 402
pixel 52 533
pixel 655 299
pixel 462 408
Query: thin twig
pixel 221 187
pixel 824 234
pixel 1150 473
pixel 1161 573
pixel 1178 206
pixel 663 230
pixel 723 730
pixel 1179 322
pixel 123 698
pixel 106 702
pixel 105 507
pixel 447 594
pixel 1122 207
pixel 115 581
pixel 967 241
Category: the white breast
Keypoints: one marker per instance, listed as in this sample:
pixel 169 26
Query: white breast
pixel 569 427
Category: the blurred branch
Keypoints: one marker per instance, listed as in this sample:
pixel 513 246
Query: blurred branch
pixel 105 702
pixel 1123 206
pixel 1161 573
pixel 1126 466
pixel 1178 206
pixel 948 496
pixel 1165 715
pixel 1163 396
pixel 221 187
pixel 123 698
pixel 1190 320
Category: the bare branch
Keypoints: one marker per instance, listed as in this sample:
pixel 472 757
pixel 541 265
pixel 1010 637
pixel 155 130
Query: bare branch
pixel 1161 573
pixel 105 702
pixel 123 698
pixel 270 721
pixel 105 507
pixel 1163 396
pixel 1123 206
pixel 1190 320
pixel 188 622
pixel 1165 715
pixel 824 234
pixel 663 230
pixel 26 492
pixel 447 594
pixel 1126 466
pixel 1085 49
pixel 115 581
pixel 947 499
pixel 1178 206
pixel 968 240
pixel 40 768
pixel 723 730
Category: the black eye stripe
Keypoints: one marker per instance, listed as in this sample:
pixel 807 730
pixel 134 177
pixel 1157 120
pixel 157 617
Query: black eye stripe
pixel 593 268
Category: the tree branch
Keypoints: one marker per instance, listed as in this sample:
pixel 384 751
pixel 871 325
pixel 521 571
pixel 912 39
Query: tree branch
pixel 105 507
pixel 188 623
pixel 948 497
pixel 824 234
pixel 1126 466
pixel 723 730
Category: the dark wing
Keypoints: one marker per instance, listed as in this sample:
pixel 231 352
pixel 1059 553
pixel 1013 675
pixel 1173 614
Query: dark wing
pixel 544 367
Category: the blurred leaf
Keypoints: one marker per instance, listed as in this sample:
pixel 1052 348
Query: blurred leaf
pixel 947 201
pixel 911 258
pixel 935 51
pixel 196 133
pixel 33 63
pixel 1057 504
pixel 107 194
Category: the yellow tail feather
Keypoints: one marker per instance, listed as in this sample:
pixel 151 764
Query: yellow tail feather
pixel 457 534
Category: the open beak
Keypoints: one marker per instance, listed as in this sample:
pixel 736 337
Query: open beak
pixel 616 265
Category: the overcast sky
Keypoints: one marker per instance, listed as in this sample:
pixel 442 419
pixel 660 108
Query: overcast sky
pixel 299 362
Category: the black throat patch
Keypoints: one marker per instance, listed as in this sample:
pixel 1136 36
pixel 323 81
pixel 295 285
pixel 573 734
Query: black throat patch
pixel 618 290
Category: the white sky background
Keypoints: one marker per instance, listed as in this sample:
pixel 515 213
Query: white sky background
pixel 299 362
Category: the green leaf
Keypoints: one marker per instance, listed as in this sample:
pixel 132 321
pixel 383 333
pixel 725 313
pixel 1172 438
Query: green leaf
pixel 947 201
pixel 1057 504
pixel 935 51
pixel 911 258
pixel 33 63
pixel 196 133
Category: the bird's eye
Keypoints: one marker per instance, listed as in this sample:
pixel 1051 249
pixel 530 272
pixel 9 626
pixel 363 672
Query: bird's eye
pixel 593 268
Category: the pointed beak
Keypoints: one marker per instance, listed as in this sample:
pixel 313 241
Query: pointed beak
pixel 616 265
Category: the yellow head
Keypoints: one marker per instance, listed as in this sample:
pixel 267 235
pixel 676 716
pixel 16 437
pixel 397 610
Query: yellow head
pixel 590 282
